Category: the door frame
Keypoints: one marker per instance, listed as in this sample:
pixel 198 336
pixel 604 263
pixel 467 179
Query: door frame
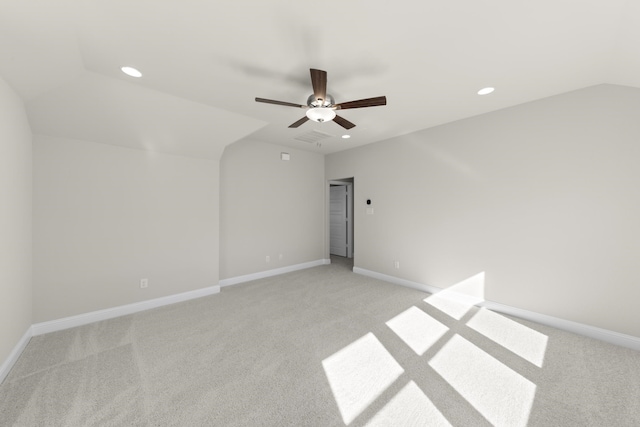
pixel 349 183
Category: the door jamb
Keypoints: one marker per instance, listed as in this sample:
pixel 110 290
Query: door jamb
pixel 349 183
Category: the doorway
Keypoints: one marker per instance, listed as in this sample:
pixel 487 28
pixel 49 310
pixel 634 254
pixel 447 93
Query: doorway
pixel 341 218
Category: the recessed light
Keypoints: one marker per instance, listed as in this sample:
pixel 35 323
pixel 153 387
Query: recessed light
pixel 486 91
pixel 346 136
pixel 130 71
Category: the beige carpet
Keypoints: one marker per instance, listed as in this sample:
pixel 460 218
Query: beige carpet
pixel 320 347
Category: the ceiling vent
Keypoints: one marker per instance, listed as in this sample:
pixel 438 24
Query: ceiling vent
pixel 313 136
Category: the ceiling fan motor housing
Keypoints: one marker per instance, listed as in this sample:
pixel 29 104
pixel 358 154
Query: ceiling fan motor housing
pixel 312 102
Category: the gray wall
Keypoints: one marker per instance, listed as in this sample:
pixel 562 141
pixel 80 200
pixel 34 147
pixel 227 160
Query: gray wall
pixel 107 216
pixel 269 207
pixel 15 221
pixel 542 198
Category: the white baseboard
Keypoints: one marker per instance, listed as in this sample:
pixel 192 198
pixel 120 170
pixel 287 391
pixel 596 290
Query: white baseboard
pixel 611 337
pixel 15 354
pixel 110 313
pixel 397 280
pixel 274 272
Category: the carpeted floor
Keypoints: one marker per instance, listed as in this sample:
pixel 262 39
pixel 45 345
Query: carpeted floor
pixel 320 347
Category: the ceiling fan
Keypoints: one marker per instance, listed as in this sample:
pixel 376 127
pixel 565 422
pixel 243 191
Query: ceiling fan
pixel 321 107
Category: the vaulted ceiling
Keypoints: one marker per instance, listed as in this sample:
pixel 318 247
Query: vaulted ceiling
pixel 203 63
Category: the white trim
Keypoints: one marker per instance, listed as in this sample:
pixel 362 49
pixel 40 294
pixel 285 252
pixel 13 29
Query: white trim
pixel 274 272
pixel 612 337
pixel 397 280
pixel 594 332
pixel 123 310
pixel 15 354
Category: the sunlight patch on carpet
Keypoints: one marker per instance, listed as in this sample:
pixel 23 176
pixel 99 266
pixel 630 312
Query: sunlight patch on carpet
pixel 410 407
pixel 527 343
pixel 500 394
pixel 458 299
pixel 359 373
pixel 417 329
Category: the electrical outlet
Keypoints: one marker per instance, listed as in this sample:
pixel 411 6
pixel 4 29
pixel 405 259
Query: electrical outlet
pixel 144 283
pixel 268 258
pixel 280 257
pixel 396 264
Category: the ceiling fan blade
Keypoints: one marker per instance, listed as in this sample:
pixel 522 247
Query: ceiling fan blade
pixel 343 122
pixel 319 83
pixel 287 104
pixel 369 102
pixel 299 122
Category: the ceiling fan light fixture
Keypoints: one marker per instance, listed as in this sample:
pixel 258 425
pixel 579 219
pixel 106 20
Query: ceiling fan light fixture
pixel 486 91
pixel 321 114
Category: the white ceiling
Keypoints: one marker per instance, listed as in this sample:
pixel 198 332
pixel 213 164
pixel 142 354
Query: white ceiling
pixel 205 62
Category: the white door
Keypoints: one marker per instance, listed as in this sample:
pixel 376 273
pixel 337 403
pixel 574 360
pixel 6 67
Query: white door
pixel 338 239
